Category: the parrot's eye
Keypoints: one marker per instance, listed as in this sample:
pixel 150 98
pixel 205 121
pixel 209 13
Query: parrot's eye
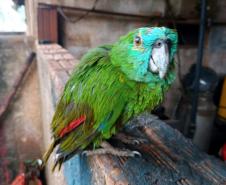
pixel 158 44
pixel 137 40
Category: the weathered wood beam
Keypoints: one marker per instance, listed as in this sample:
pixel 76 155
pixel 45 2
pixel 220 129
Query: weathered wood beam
pixel 167 158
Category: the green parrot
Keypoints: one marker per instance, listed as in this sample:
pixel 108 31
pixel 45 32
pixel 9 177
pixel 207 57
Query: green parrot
pixel 112 84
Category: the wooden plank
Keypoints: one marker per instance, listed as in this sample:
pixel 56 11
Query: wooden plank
pixel 44 24
pixel 168 158
pixel 47 24
pixel 53 25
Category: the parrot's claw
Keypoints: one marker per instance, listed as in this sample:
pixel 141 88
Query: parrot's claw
pixel 137 141
pixel 85 153
pixel 136 154
pixel 112 151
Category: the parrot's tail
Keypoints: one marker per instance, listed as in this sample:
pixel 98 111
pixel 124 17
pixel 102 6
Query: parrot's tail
pixel 48 153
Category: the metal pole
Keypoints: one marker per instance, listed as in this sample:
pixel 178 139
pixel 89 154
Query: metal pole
pixel 199 61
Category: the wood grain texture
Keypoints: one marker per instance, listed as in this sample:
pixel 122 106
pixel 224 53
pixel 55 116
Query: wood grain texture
pixel 167 158
pixel 47 25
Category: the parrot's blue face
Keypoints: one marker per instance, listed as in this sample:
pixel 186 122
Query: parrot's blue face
pixel 146 53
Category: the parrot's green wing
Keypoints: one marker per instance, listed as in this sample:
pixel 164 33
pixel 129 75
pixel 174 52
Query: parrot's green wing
pixel 85 114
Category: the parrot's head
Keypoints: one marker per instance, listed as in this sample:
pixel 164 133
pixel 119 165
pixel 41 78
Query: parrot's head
pixel 146 54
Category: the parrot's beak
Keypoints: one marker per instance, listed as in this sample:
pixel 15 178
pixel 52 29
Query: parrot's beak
pixel 160 57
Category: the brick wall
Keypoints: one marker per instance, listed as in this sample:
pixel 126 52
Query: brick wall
pixel 54 66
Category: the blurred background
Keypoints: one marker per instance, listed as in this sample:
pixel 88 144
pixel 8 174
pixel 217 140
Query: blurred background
pixel 195 105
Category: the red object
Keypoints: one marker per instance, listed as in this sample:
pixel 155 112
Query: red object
pixel 20 180
pixel 223 152
pixel 75 123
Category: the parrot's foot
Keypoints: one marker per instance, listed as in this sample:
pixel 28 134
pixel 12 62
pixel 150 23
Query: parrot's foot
pixel 115 152
pixel 108 149
pixel 129 139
